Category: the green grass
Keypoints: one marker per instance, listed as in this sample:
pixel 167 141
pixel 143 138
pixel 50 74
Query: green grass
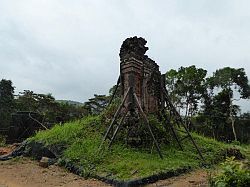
pixel 82 139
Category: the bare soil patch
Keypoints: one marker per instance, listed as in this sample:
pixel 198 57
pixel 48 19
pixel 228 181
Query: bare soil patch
pixel 23 172
pixel 198 178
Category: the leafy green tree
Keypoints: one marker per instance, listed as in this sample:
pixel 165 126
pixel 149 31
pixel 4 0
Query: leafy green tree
pixel 26 101
pixel 216 113
pixel 171 85
pixel 186 87
pixel 97 104
pixel 6 102
pixel 46 105
pixel 66 111
pixel 228 81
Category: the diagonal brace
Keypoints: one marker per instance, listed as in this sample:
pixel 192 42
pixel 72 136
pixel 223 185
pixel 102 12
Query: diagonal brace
pixel 148 125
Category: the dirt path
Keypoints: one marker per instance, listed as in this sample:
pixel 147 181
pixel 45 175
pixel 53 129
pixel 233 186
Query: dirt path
pixel 198 178
pixel 23 172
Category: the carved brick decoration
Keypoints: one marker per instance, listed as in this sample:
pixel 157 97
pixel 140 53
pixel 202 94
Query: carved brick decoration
pixel 145 72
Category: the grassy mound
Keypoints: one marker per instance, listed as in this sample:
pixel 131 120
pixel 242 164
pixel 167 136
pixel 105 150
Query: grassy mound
pixel 82 138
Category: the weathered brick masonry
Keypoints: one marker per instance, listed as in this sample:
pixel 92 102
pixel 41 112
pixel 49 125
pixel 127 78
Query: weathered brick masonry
pixel 145 72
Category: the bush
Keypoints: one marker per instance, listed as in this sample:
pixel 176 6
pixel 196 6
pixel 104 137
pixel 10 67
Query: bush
pixel 233 173
pixel 2 140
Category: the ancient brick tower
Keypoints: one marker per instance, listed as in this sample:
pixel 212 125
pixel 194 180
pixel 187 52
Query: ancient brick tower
pixel 143 91
pixel 141 72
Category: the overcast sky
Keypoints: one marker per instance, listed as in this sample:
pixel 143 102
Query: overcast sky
pixel 70 48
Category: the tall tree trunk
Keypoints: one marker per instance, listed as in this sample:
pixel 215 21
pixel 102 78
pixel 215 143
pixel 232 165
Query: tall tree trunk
pixel 186 116
pixel 232 119
pixel 235 137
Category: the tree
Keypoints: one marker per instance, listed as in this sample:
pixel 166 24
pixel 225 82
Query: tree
pixel 171 85
pixel 186 87
pixel 230 80
pixel 6 102
pixel 65 111
pixel 97 104
pixel 46 105
pixel 26 101
pixel 216 112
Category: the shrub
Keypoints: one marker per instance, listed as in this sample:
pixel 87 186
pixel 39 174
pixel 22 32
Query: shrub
pixel 233 173
pixel 2 140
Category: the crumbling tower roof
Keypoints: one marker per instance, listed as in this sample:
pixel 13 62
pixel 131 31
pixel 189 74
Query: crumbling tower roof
pixel 134 46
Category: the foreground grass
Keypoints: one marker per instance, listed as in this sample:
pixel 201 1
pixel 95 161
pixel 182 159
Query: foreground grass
pixel 82 139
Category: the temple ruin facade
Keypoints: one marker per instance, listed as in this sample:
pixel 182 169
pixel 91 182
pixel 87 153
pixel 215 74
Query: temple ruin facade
pixel 139 71
pixel 143 92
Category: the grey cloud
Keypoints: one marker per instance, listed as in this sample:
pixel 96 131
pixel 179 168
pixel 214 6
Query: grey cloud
pixel 70 48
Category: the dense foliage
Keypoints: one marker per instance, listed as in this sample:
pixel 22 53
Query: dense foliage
pixel 209 102
pixel 232 173
pixel 186 87
pixel 6 102
pixel 43 104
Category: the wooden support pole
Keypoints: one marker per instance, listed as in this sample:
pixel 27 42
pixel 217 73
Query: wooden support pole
pixel 192 140
pixel 118 128
pixel 172 130
pixel 116 87
pixel 114 118
pixel 181 122
pixel 148 125
pixel 163 84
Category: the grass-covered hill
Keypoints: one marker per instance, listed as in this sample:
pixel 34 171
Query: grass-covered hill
pixel 81 140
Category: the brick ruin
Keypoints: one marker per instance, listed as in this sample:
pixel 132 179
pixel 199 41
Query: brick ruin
pixel 146 77
pixel 143 92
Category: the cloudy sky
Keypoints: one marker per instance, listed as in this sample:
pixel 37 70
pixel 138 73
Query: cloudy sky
pixel 70 48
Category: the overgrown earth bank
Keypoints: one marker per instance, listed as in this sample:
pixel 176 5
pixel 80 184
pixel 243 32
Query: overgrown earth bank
pixel 74 146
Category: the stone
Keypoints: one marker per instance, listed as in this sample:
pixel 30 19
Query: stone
pixel 44 162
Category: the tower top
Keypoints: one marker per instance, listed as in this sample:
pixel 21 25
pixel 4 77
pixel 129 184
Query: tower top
pixel 133 47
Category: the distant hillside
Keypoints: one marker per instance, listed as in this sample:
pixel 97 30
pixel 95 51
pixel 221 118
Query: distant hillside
pixel 70 102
